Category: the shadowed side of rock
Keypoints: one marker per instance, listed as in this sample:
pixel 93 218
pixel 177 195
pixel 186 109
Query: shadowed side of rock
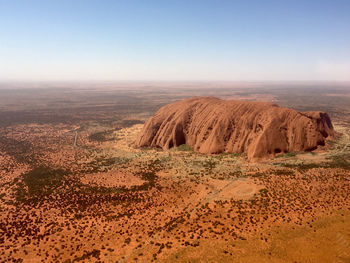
pixel 259 129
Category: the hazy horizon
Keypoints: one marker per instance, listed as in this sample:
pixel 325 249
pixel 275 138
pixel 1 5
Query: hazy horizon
pixel 165 41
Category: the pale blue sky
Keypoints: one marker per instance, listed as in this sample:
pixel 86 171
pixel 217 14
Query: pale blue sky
pixel 175 40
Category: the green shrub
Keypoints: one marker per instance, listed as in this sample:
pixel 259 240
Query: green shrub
pixel 184 148
pixel 40 181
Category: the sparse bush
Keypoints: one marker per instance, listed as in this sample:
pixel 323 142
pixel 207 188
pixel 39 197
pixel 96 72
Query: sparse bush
pixel 210 164
pixel 184 148
pixel 287 155
pixel 40 181
pixel 338 161
pixel 101 136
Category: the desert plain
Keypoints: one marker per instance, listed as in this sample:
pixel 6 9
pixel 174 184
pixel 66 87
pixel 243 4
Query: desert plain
pixel 75 188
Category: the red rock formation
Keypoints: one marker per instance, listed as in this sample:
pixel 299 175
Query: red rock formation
pixel 259 129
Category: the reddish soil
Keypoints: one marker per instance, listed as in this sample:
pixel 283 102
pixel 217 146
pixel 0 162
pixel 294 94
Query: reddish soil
pixel 111 179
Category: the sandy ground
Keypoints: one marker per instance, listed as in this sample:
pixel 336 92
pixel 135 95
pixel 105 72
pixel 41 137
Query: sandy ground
pixel 167 206
pixel 111 179
pixel 241 189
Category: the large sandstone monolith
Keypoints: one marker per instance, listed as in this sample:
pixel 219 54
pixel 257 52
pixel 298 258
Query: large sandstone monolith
pixel 259 129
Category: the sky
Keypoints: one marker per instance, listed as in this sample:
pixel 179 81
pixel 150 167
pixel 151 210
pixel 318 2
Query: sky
pixel 178 40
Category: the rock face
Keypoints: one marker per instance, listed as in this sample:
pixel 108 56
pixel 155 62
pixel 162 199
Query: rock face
pixel 259 129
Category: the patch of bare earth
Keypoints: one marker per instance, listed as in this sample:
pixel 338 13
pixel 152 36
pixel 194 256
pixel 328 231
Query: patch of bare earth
pixel 111 179
pixel 240 189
